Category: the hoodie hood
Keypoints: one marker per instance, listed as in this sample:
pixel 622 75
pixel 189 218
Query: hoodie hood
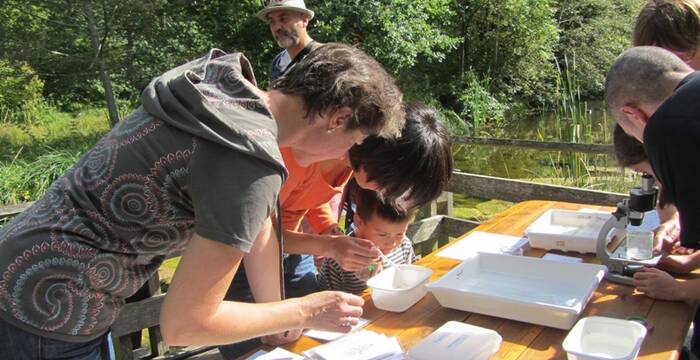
pixel 214 97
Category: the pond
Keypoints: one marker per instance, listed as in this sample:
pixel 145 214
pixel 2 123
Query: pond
pixel 592 124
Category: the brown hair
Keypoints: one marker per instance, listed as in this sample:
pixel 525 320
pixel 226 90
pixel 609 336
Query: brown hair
pixel 629 151
pixel 671 24
pixel 338 75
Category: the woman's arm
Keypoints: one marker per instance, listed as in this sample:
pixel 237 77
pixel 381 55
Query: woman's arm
pixel 321 219
pixel 262 273
pixel 194 312
pixel 351 253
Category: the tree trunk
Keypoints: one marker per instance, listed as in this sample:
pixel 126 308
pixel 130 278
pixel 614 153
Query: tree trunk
pixel 104 72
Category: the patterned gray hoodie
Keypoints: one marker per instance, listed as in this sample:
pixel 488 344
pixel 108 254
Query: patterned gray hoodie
pixel 200 155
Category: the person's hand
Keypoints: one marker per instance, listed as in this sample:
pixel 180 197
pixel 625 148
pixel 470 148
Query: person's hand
pixel 331 310
pixel 666 237
pixel 378 267
pixel 680 250
pixel 679 264
pixel 282 338
pixel 353 254
pixel 657 284
pixel 366 273
pixel 318 261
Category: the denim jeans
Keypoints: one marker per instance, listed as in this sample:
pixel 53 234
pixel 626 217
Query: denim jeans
pixel 17 344
pixel 299 280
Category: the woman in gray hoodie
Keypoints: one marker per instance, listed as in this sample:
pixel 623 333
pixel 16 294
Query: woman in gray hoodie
pixel 196 169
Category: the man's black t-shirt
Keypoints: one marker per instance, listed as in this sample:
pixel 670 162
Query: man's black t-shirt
pixel 672 142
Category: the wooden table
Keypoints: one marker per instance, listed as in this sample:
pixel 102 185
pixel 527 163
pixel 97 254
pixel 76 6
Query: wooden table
pixel 522 340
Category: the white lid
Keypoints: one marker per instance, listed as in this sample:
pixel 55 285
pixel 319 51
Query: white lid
pixel 457 341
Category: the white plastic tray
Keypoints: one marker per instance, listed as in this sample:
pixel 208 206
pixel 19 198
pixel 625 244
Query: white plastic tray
pixel 520 288
pixel 567 230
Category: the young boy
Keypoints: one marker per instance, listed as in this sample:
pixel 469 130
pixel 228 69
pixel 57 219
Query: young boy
pixel 385 225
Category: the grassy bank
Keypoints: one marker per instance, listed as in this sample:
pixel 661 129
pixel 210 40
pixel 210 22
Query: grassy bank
pixel 34 153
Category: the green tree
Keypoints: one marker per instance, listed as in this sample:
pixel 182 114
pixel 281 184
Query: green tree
pixel 399 33
pixel 19 86
pixel 76 46
pixel 593 34
pixel 509 42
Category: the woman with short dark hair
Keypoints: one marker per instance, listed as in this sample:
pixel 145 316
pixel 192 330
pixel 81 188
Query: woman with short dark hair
pixel 197 168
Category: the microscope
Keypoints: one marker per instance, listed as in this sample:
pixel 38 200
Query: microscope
pixel 629 211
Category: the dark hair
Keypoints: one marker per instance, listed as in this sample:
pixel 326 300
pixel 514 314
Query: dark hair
pixel 370 203
pixel 628 150
pixel 337 75
pixel 416 166
pixel 671 24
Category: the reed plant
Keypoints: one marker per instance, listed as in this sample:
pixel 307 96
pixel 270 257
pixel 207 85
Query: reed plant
pixel 38 145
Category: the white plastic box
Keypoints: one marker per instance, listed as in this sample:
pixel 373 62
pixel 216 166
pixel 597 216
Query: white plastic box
pixel 599 337
pixel 399 287
pixel 520 288
pixel 567 230
pixel 457 341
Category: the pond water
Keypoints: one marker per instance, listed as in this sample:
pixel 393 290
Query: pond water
pixel 592 171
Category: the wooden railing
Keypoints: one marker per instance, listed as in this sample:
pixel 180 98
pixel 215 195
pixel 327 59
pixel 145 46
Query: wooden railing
pixel 532 144
pixel 434 230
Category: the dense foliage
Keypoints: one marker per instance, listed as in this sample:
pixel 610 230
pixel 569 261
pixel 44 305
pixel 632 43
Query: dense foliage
pixel 476 60
pixel 447 52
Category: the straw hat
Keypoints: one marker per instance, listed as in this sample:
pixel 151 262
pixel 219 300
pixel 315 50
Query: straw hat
pixel 292 5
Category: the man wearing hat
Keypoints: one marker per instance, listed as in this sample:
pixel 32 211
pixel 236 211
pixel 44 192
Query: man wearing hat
pixel 288 20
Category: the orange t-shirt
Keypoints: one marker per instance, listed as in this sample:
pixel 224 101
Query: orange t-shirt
pixel 306 192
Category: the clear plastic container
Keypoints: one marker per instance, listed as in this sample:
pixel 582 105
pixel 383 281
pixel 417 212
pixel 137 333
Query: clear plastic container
pixel 639 244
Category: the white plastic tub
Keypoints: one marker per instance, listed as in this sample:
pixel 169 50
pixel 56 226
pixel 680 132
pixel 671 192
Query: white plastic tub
pixel 399 287
pixel 457 341
pixel 567 230
pixel 520 288
pixel 598 337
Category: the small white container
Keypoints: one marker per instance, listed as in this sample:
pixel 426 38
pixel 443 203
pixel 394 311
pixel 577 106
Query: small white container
pixel 598 337
pixel 457 341
pixel 567 230
pixel 399 287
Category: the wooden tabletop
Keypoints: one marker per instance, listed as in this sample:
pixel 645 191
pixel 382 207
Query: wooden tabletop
pixel 670 320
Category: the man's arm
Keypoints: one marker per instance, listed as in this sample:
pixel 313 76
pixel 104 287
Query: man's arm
pixel 659 284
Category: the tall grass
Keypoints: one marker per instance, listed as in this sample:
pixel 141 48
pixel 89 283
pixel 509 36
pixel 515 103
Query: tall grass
pixel 38 145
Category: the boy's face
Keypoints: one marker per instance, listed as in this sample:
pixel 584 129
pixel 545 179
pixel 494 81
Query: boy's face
pixel 386 235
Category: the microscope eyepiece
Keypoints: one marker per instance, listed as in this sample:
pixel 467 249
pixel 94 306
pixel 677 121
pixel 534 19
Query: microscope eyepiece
pixel 643 199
